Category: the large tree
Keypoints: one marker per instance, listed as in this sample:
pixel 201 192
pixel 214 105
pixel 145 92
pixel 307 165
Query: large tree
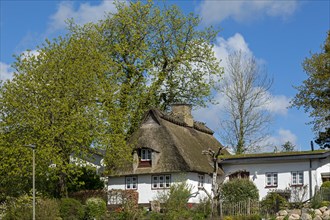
pixel 245 121
pixel 91 87
pixel 314 94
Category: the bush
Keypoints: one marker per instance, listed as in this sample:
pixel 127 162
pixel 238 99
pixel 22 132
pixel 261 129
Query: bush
pixel 316 200
pixel 86 179
pixel 243 217
pixel 326 184
pixel 71 209
pixel 273 202
pixel 325 203
pixel 83 195
pixel 21 208
pixel 202 210
pixel 175 201
pixel 237 190
pixel 47 209
pixel 95 208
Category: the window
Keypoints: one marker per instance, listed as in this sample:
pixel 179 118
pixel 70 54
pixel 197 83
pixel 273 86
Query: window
pixel 297 178
pixel 200 180
pixel 131 182
pixel 161 181
pixel 145 154
pixel 271 179
pixel 145 157
pixel 239 175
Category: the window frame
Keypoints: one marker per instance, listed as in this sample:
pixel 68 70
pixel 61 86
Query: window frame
pixel 131 182
pixel 162 181
pixel 297 176
pixel 146 154
pixel 201 180
pixel 273 176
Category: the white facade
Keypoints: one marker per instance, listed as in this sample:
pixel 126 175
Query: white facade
pixel 284 172
pixel 148 194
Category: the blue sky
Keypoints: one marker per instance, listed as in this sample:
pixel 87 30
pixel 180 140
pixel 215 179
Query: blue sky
pixel 280 34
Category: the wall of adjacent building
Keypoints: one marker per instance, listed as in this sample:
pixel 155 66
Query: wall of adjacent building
pixel 311 173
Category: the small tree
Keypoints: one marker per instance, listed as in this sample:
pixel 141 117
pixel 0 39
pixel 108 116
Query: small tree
pixel 239 190
pixel 245 88
pixel 175 200
pixel 288 147
pixel 273 202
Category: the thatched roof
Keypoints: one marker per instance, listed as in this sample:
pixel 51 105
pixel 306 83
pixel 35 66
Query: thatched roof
pixel 176 146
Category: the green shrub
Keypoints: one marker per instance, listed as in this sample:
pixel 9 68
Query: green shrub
pixel 243 217
pixel 316 200
pixel 95 208
pixel 47 209
pixel 325 203
pixel 237 190
pixel 174 201
pixel 326 184
pixel 273 202
pixel 202 210
pixel 86 179
pixel 71 209
pixel 83 195
pixel 19 208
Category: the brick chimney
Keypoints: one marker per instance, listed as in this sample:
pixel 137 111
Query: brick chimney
pixel 183 112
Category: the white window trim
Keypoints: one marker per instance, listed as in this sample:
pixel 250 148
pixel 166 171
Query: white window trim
pixel 131 182
pixel 272 183
pixel 298 174
pixel 156 182
pixel 201 180
pixel 146 154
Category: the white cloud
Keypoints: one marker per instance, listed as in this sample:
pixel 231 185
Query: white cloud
pixel 223 47
pixel 282 136
pixel 83 14
pixel 278 104
pixel 6 72
pixel 240 11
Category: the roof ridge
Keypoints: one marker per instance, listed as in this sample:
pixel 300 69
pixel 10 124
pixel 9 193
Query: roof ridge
pixel 200 126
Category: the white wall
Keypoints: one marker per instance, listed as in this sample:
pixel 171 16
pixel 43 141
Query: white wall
pixel 147 194
pixel 284 169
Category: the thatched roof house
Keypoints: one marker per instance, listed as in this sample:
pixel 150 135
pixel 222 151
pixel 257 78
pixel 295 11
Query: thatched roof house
pixel 175 142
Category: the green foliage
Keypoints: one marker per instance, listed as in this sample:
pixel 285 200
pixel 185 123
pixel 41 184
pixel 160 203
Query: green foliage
pixel 324 137
pixel 175 200
pixel 241 217
pixel 47 209
pixel 326 184
pixel 95 208
pixel 314 94
pixel 92 86
pixel 21 208
pixel 88 180
pixel 71 209
pixel 82 196
pixel 316 200
pixel 238 189
pixel 273 202
pixel 202 210
pixel 325 203
pixel 288 147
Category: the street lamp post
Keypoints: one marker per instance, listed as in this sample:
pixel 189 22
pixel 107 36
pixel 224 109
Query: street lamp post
pixel 33 147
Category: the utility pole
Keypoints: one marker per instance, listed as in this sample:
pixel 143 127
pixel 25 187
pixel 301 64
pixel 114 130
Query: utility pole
pixel 33 147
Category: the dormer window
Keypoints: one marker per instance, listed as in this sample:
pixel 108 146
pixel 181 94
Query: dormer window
pixel 145 156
